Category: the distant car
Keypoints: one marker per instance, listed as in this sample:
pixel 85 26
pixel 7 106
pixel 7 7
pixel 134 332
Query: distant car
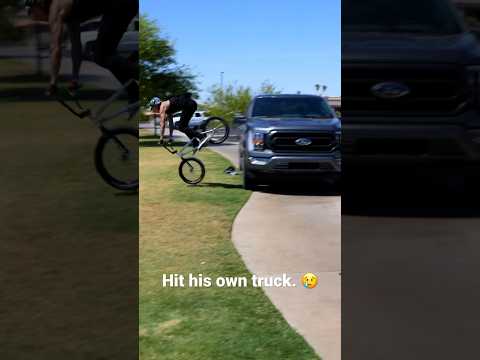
pixel 198 120
pixel 286 135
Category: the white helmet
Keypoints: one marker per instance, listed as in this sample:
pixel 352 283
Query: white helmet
pixel 155 101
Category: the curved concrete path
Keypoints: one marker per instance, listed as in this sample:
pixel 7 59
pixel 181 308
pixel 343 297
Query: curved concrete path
pixel 292 234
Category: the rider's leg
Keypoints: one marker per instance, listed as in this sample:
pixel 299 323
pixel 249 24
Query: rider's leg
pixel 171 127
pixel 187 113
pixel 115 22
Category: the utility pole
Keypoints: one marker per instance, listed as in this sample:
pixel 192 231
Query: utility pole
pixel 221 80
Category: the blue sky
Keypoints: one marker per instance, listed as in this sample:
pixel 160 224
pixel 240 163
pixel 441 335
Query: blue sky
pixel 294 44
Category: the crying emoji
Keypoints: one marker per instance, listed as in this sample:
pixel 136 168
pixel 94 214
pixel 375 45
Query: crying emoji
pixel 309 280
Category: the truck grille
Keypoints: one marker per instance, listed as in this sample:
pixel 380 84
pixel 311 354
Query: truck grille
pixel 285 141
pixel 293 165
pixel 434 89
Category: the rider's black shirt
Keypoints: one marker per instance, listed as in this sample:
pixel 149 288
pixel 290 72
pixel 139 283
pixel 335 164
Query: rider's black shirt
pixel 180 102
pixel 83 10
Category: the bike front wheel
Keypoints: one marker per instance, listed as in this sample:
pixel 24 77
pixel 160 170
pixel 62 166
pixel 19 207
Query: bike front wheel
pixel 116 158
pixel 191 171
pixel 222 130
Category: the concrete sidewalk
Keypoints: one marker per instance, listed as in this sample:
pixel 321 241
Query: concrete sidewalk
pixel 281 233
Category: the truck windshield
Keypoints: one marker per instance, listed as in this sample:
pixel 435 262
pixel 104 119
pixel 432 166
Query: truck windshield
pixel 296 107
pixel 406 16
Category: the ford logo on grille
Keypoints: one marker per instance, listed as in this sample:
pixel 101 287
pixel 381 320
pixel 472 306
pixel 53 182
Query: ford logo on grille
pixel 390 90
pixel 303 142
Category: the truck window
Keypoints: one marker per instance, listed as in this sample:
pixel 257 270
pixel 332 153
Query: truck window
pixel 307 107
pixel 406 16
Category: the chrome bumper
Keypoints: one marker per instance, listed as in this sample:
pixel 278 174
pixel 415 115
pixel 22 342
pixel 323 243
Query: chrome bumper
pixel 295 164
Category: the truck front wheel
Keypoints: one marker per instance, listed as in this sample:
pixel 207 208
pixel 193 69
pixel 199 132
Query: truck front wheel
pixel 249 180
pixel 249 183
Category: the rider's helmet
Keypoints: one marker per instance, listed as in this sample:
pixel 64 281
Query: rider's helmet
pixel 154 102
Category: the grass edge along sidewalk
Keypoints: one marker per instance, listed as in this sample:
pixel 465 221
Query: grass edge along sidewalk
pixel 185 229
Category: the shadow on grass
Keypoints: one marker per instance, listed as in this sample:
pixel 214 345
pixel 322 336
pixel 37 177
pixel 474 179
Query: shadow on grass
pixel 37 93
pixel 36 78
pixel 127 193
pixel 221 185
pixel 153 142
pixel 25 78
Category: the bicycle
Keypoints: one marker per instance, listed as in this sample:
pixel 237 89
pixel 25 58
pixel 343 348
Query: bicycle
pixel 117 144
pixel 191 169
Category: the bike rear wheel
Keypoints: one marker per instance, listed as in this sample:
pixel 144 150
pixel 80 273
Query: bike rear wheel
pixel 116 158
pixel 191 171
pixel 222 130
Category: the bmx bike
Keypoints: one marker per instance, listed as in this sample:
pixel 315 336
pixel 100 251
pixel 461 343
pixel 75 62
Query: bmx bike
pixel 191 169
pixel 116 153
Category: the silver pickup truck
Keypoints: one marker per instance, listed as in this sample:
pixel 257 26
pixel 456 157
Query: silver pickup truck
pixel 289 135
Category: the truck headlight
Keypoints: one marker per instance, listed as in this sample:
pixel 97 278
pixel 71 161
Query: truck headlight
pixel 258 141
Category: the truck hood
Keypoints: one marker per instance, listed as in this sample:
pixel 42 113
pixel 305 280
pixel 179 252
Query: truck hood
pixel 295 124
pixel 410 48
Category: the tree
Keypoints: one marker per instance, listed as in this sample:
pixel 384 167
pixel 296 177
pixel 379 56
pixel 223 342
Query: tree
pixel 322 87
pixel 228 101
pixel 231 100
pixel 160 75
pixel 268 88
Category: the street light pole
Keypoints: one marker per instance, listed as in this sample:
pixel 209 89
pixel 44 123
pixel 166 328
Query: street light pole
pixel 221 80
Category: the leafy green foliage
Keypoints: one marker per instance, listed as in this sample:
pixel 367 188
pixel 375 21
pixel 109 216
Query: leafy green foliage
pixel 268 88
pixel 231 100
pixel 160 75
pixel 228 101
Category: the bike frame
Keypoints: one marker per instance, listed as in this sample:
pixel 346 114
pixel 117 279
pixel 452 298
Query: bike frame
pixel 96 115
pixel 188 149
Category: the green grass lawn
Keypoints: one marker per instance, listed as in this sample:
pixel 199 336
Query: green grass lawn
pixel 186 229
pixel 69 240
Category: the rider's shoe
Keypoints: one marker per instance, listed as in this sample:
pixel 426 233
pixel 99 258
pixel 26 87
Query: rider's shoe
pixel 74 86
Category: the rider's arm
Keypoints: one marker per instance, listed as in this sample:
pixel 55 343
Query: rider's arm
pixel 163 116
pixel 58 11
pixel 74 28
